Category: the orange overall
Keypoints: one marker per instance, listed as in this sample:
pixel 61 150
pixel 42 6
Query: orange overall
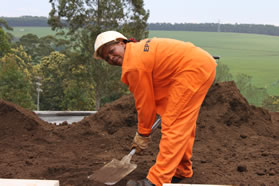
pixel 170 78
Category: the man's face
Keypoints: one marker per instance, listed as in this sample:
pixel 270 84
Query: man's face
pixel 114 53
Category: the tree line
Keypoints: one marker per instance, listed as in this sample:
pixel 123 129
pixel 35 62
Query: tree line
pixel 217 27
pixel 38 21
pixel 203 27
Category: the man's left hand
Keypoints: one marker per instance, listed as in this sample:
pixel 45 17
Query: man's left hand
pixel 141 142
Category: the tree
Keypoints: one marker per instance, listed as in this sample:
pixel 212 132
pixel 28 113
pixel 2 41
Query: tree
pixel 52 71
pixel 64 84
pixel 29 42
pixel 24 63
pixel 253 94
pixel 243 82
pixel 85 19
pixel 4 43
pixel 14 83
pixel 78 92
pixel 23 60
pixel 38 48
pixel 78 96
pixel 223 73
pixel 5 24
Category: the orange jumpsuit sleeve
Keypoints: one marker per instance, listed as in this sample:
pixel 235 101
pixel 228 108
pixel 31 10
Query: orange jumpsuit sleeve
pixel 140 84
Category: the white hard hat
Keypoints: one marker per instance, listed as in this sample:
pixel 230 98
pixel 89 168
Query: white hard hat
pixel 104 38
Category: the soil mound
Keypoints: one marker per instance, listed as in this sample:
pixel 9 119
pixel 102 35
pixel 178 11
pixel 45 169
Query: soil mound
pixel 224 104
pixel 19 122
pixel 112 117
pixel 236 143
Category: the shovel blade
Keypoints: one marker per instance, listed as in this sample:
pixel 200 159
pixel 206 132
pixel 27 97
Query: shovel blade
pixel 113 172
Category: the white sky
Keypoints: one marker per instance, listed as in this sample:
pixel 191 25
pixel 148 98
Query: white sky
pixel 174 11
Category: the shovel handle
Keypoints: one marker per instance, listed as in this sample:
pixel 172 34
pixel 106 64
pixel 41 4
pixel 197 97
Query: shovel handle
pixel 155 126
pixel 133 151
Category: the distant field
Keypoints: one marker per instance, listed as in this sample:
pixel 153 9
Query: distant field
pixel 255 55
pixel 39 31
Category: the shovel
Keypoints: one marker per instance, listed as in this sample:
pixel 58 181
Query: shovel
pixel 115 170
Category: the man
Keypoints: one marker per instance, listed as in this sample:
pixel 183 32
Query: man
pixel 167 77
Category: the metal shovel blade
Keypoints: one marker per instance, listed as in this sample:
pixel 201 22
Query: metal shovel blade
pixel 114 171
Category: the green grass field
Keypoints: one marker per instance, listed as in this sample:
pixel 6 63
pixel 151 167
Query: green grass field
pixel 251 54
pixel 39 31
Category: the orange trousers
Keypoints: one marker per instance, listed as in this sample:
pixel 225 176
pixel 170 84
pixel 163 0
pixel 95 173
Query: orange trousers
pixel 177 140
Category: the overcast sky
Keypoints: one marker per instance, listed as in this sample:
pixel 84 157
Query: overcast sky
pixel 175 11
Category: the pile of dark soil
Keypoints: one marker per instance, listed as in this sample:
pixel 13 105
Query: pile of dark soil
pixel 236 143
